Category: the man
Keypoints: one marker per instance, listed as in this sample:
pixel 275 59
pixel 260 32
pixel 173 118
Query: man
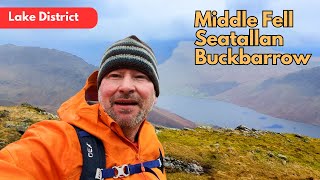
pixel 112 106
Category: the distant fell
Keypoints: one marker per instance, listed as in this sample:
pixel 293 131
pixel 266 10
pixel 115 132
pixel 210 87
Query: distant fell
pixel 163 117
pixel 40 76
pixel 295 96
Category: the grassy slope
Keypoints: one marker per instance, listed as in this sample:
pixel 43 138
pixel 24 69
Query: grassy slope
pixel 228 154
pixel 225 154
pixel 19 117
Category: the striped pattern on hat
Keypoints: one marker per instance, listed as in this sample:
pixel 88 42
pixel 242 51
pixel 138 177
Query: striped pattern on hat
pixel 130 53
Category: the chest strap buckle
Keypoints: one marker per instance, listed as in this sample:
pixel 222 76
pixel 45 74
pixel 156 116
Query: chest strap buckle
pixel 121 171
pixel 99 174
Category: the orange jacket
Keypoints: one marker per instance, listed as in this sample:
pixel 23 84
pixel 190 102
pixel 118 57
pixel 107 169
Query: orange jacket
pixel 51 149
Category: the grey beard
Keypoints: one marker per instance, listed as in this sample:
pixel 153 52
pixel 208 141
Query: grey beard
pixel 127 124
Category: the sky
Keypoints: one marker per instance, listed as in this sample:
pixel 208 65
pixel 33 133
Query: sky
pixel 163 24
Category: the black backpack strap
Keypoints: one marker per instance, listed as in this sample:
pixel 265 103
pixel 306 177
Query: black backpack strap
pixel 93 154
pixel 161 160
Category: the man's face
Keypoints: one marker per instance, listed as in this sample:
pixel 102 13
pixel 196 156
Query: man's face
pixel 127 96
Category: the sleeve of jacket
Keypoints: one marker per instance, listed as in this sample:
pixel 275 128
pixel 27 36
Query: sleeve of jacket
pixel 47 150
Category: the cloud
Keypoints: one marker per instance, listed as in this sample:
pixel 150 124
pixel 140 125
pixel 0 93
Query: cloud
pixel 152 20
pixel 180 75
pixel 305 31
pixel 163 20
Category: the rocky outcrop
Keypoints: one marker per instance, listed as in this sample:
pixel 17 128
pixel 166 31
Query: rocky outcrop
pixel 249 132
pixel 172 164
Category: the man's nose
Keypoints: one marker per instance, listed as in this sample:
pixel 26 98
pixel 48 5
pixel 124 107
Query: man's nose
pixel 127 85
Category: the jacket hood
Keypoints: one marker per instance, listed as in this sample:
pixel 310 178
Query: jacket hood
pixel 82 109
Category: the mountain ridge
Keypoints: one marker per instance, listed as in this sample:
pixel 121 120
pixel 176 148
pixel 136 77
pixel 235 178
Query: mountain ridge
pixel 241 85
pixel 295 96
pixel 47 77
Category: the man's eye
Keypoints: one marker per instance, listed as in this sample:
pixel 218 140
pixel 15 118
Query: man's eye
pixel 114 75
pixel 141 77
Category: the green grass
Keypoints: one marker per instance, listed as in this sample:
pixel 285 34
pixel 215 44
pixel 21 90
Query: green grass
pixel 16 118
pixel 227 154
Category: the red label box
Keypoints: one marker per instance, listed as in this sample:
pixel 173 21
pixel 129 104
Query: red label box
pixel 46 18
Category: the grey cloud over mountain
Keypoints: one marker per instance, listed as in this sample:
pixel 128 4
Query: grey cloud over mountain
pixel 180 75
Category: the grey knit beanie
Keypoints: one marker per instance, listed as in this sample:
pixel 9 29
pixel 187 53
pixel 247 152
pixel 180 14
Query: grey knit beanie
pixel 130 53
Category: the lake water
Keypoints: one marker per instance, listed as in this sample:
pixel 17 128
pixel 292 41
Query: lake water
pixel 212 112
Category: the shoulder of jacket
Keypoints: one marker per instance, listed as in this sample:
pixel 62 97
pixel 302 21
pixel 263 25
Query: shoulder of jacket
pixel 60 142
pixel 51 128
